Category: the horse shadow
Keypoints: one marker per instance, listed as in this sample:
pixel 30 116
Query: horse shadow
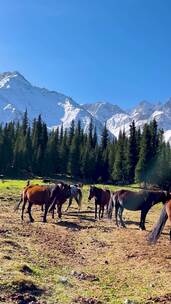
pixel 73 226
pixel 70 225
pixel 129 222
pixel 82 215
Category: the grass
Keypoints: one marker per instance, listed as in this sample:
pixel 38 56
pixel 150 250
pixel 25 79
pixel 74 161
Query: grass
pixel 125 266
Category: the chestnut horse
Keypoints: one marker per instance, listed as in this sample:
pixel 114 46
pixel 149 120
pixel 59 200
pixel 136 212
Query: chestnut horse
pixel 134 201
pixel 164 215
pixel 102 198
pixel 44 195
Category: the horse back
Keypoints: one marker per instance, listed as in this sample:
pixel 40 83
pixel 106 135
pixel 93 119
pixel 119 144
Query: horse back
pixel 37 194
pixel 105 196
pixel 132 200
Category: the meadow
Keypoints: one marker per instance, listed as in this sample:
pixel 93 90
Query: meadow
pixel 79 260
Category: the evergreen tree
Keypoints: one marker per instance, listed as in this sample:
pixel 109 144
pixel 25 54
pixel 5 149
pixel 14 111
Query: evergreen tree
pixel 120 166
pixel 142 168
pixel 105 138
pixel 74 161
pixel 132 152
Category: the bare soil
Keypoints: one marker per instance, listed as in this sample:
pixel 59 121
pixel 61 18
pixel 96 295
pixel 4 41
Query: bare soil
pixel 80 260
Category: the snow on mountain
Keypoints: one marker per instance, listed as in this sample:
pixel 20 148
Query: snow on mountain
pixel 102 110
pixel 73 111
pixel 17 94
pixel 143 113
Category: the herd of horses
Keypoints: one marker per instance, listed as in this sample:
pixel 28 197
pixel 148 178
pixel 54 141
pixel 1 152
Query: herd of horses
pixel 51 197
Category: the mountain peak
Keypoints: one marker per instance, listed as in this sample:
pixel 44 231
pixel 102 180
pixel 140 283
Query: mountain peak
pixel 17 94
pixel 8 78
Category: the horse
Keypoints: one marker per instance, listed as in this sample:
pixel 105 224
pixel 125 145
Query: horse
pixel 76 193
pixel 102 198
pixel 43 195
pixel 134 201
pixel 164 216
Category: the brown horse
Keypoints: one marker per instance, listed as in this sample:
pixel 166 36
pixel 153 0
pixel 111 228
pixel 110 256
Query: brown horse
pixel 164 215
pixel 102 198
pixel 44 195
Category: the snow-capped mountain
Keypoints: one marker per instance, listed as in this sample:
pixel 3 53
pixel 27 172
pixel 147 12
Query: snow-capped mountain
pixel 17 94
pixel 102 110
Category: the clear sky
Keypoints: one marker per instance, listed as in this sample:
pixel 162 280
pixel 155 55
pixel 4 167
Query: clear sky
pixel 112 50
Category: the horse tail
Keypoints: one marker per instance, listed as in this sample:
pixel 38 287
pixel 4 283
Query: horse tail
pixel 155 234
pixel 52 206
pixel 22 196
pixel 80 196
pixel 19 203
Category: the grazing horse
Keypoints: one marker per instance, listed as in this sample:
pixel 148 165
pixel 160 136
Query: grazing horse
pixel 76 193
pixel 102 198
pixel 43 195
pixel 134 201
pixel 164 215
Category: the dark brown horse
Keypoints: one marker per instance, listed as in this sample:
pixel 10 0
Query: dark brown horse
pixel 134 201
pixel 44 195
pixel 164 216
pixel 102 198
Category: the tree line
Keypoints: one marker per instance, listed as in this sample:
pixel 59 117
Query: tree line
pixel 143 156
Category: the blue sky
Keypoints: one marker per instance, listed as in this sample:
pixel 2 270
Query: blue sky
pixel 112 50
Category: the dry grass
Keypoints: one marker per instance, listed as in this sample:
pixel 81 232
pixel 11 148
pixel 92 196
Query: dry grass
pixel 79 260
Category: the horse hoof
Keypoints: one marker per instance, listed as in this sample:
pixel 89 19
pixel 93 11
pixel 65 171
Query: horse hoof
pixel 142 228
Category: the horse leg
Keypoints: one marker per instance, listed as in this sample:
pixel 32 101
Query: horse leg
pixel 100 208
pixel 45 213
pixel 116 214
pixel 120 211
pixel 143 217
pixel 69 204
pixel 95 210
pixel 59 211
pixel 23 207
pixel 29 212
pixel 53 213
pixel 42 208
pixel 102 211
pixel 78 203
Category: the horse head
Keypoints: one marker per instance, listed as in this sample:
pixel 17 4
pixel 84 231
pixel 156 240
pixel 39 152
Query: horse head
pixel 91 193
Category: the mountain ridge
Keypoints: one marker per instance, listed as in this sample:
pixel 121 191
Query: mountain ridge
pixel 17 94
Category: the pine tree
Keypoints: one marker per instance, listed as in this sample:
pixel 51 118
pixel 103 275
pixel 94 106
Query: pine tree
pixel 142 168
pixel 74 161
pixel 132 152
pixel 71 132
pixel 120 166
pixel 105 138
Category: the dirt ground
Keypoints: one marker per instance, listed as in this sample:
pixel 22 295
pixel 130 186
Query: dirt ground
pixel 80 260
